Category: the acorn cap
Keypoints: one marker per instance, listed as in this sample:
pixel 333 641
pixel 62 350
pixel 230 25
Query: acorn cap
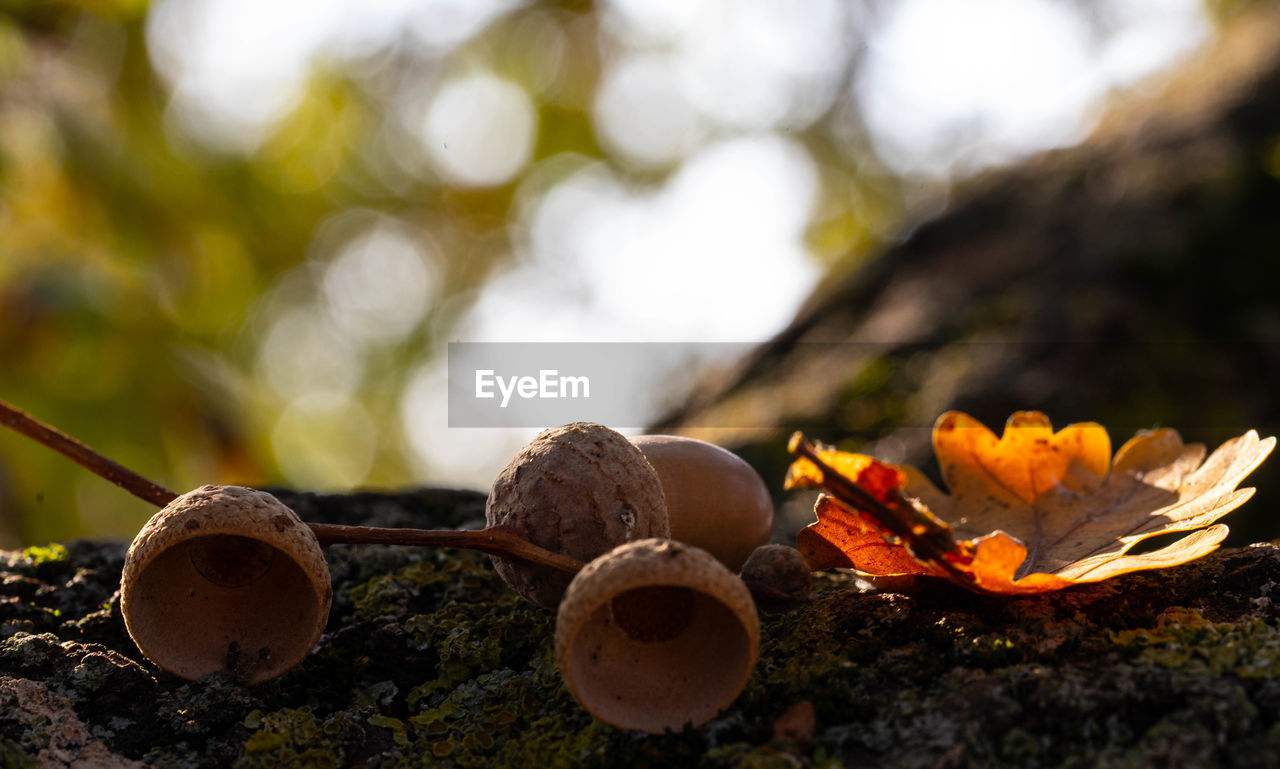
pixel 225 579
pixel 656 634
pixel 715 500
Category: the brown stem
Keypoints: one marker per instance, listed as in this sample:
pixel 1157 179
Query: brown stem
pixel 16 419
pixel 495 540
pixel 922 540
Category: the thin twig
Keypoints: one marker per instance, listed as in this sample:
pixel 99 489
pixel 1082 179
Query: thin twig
pixel 18 420
pixel 495 540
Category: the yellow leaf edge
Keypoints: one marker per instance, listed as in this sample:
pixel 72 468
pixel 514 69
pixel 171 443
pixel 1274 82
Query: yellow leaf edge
pixel 1205 536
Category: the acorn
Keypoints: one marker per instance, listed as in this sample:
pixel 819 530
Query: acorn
pixel 228 580
pixel 779 577
pixel 656 634
pixel 579 490
pixel 715 500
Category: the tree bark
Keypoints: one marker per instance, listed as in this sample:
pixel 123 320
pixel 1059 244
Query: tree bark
pixel 429 658
pixel 1130 281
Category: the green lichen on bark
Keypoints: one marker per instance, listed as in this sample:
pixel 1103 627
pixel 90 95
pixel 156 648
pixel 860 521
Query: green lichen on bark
pixel 428 659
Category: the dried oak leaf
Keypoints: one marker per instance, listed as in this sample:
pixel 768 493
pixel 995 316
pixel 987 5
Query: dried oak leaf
pixel 1031 511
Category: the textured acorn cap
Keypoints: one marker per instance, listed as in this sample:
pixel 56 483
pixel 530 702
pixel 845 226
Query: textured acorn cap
pixel 580 489
pixel 656 634
pixel 225 579
pixel 715 500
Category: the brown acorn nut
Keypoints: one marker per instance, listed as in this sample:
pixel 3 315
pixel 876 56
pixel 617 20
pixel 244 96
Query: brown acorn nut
pixel 778 576
pixel 656 634
pixel 715 500
pixel 580 490
pixel 225 579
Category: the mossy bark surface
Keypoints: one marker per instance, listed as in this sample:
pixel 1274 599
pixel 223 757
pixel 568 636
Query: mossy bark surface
pixel 428 659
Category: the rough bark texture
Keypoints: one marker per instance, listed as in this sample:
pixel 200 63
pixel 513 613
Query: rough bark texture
pixel 429 659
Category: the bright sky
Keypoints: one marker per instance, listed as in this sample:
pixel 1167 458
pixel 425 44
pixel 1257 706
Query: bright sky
pixel 977 83
pixel 717 252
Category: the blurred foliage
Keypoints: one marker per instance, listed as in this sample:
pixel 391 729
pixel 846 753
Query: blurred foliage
pixel 140 270
pixel 170 303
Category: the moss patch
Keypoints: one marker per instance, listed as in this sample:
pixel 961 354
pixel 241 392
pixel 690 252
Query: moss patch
pixel 428 659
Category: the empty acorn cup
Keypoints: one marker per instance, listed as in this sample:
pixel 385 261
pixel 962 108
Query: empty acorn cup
pixel 656 634
pixel 225 579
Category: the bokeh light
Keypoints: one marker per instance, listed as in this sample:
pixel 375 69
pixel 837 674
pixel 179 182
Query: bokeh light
pixel 951 87
pixel 479 130
pixel 643 116
pixel 713 254
pixel 324 442
pixel 381 284
pixel 238 236
pixel 304 353
pixel 746 64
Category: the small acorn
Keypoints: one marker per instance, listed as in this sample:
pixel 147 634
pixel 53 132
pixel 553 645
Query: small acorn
pixel 580 490
pixel 778 576
pixel 715 500
pixel 225 579
pixel 656 634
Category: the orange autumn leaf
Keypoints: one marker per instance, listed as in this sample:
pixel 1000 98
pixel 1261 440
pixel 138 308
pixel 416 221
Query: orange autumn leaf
pixel 1031 511
pixel 845 538
pixel 875 477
